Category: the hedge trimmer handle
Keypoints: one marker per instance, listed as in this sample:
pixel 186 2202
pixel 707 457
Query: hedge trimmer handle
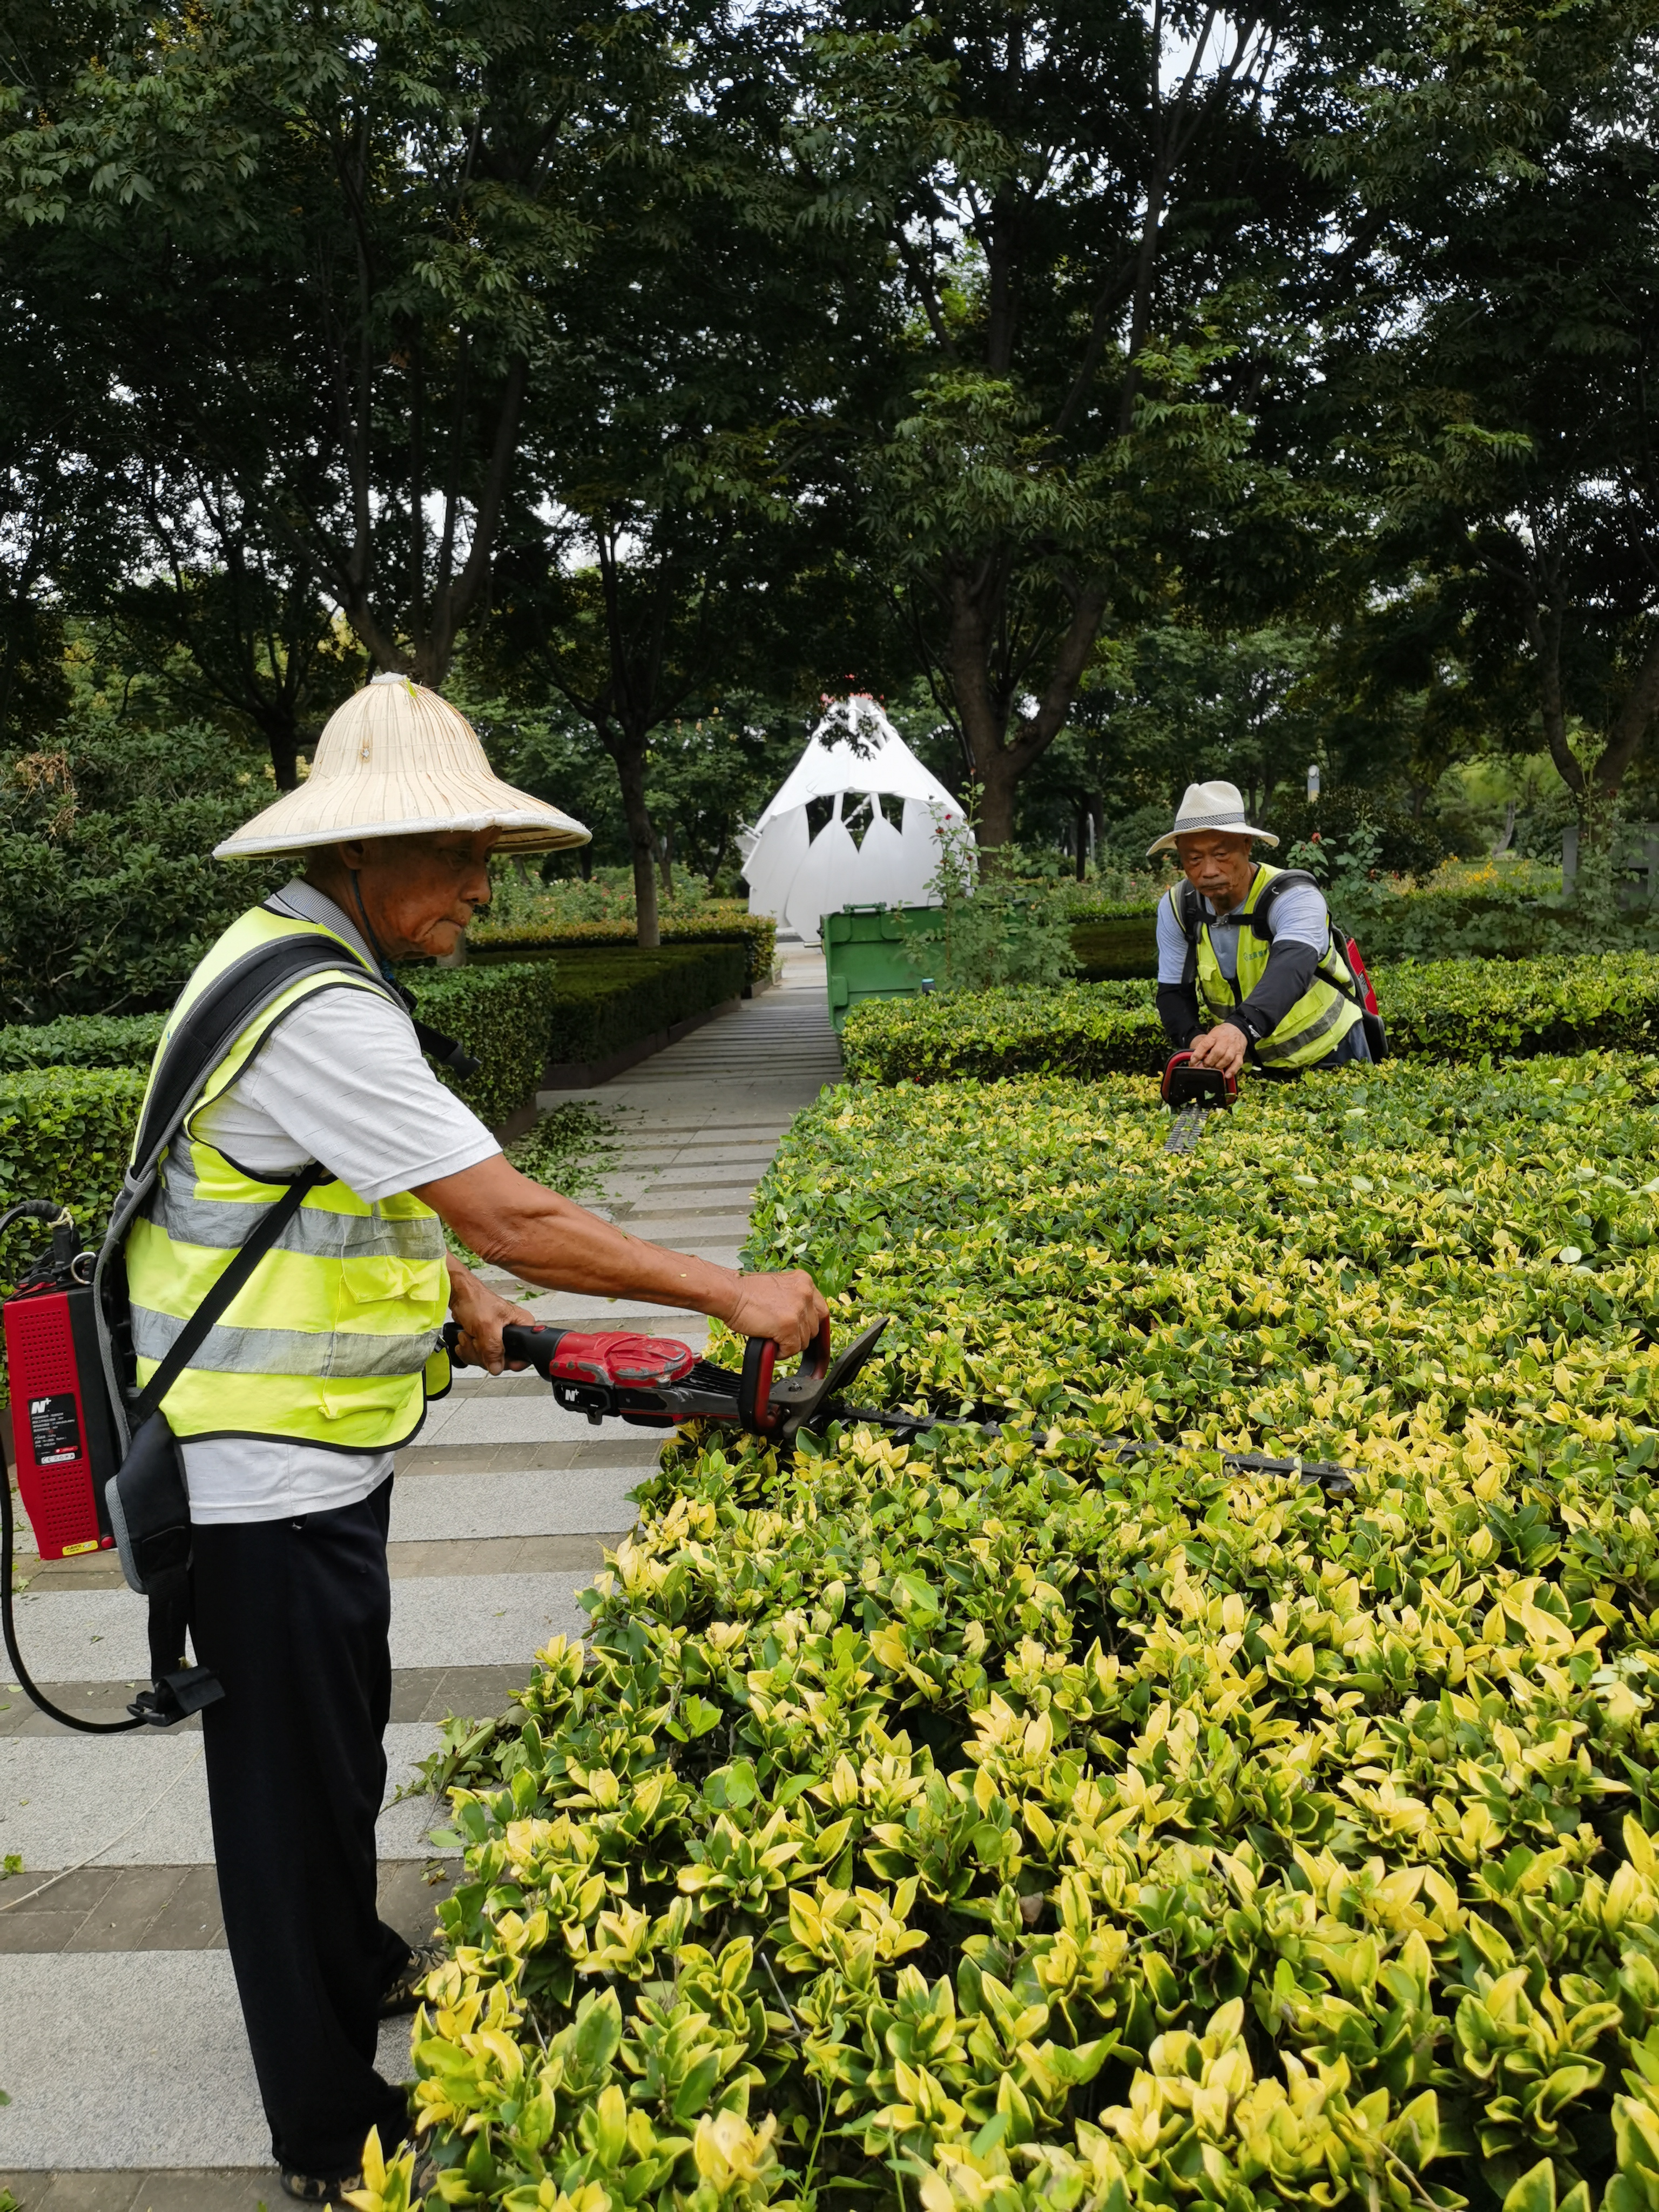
pixel 1185 1085
pixel 755 1409
pixel 620 1358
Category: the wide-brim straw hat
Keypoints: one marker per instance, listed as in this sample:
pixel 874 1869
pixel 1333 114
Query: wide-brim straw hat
pixel 396 761
pixel 1211 806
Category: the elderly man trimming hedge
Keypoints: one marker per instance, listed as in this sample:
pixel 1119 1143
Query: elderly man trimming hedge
pixel 1253 946
pixel 288 1415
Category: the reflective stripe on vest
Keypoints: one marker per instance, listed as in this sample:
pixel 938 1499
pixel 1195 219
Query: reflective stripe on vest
pixel 332 1339
pixel 1320 1017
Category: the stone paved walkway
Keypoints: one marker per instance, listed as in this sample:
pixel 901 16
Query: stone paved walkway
pixel 120 2042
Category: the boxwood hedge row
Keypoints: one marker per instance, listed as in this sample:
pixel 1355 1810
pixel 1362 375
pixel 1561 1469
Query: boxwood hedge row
pixel 1037 1819
pixel 756 932
pixel 612 996
pixel 1445 1010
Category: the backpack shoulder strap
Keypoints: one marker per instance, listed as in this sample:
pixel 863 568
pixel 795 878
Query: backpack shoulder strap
pixel 1189 912
pixel 1282 882
pixel 204 1035
pixel 212 1026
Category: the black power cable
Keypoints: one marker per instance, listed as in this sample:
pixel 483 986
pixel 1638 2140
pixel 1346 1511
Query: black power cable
pixel 36 1209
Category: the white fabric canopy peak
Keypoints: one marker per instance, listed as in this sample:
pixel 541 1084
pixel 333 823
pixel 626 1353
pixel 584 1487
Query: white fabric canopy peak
pixel 857 760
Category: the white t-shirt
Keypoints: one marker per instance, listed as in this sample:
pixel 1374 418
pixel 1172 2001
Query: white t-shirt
pixel 341 1079
pixel 1299 914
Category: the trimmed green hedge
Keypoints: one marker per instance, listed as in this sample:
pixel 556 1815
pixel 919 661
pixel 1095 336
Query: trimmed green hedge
pixel 64 1135
pixel 1088 1030
pixel 1460 1009
pixel 611 997
pixel 1115 948
pixel 756 932
pixel 83 1040
pixel 1449 1010
pixel 501 1014
pixel 1009 1822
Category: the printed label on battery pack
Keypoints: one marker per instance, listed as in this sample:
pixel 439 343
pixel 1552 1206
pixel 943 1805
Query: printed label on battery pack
pixel 55 1429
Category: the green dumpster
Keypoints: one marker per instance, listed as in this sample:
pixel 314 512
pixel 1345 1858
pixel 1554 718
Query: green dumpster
pixel 863 956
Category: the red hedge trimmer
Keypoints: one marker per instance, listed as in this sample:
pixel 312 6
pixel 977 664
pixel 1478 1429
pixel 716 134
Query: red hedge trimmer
pixel 657 1382
pixel 1192 1094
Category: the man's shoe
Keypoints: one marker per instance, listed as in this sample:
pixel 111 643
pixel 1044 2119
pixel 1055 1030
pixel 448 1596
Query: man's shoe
pixel 319 2189
pixel 403 1995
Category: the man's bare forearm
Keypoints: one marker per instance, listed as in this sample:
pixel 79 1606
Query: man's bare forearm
pixel 544 1239
pixel 574 1251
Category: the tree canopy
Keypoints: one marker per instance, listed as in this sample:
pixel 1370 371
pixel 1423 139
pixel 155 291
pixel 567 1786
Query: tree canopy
pixel 1080 369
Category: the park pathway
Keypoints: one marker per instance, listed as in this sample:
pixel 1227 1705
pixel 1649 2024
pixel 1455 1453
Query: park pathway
pixel 121 2046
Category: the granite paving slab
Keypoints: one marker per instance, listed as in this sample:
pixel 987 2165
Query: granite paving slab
pixel 63 1797
pixel 126 2060
pixel 456 1620
pixel 572 1502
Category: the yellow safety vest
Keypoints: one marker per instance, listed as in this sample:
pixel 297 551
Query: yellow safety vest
pixel 1320 1017
pixel 333 1340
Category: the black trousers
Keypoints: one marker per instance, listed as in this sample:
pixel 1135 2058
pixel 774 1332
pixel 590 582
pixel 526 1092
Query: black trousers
pixel 292 1617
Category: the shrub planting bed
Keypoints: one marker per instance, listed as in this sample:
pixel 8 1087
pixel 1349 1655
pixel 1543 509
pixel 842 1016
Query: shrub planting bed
pixel 611 997
pixel 1109 950
pixel 1018 1821
pixel 1445 1010
pixel 724 923
pixel 502 1015
pixel 65 1134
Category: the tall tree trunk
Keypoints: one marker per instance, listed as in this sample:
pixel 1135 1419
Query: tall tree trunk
pixel 282 736
pixel 1631 723
pixel 999 760
pixel 998 790
pixel 629 752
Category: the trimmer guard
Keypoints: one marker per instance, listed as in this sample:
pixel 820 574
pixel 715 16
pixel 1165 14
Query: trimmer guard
pixel 1185 1085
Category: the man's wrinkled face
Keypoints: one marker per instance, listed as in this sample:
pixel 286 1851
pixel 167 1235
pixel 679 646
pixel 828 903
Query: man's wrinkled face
pixel 419 893
pixel 1218 863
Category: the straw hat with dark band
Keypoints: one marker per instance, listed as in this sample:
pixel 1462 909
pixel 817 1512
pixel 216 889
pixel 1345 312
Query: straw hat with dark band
pixel 1210 806
pixel 396 761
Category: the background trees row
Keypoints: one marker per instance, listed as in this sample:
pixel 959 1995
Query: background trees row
pixel 1124 390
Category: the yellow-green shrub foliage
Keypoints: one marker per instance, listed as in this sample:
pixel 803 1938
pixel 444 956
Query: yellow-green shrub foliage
pixel 1445 1010
pixel 1015 1820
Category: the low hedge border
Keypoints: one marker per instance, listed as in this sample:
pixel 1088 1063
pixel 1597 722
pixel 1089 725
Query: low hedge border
pixel 1445 1010
pixel 756 932
pixel 81 1041
pixel 65 1133
pixel 610 997
pixel 502 1015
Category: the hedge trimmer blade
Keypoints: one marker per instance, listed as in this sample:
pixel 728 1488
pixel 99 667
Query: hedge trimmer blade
pixel 1192 1094
pixel 657 1382
pixel 1187 1129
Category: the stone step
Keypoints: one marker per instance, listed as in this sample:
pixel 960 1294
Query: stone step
pixel 169 2189
pixel 489 1619
pixel 477 1551
pixel 140 1800
pixel 124 2061
pixel 176 1908
pixel 418 1693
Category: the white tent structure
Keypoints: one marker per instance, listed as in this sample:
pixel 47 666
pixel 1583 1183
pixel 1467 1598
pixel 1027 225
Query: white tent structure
pixel 879 846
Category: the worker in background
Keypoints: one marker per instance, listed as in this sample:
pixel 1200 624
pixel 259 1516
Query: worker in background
pixel 1250 947
pixel 289 1413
